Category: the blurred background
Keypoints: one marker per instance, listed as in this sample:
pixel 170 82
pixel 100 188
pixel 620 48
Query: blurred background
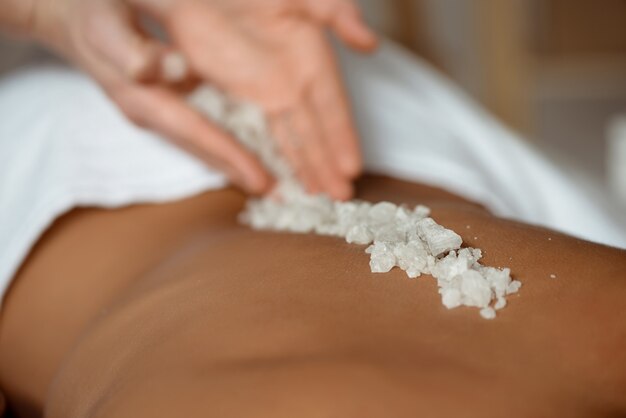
pixel 553 70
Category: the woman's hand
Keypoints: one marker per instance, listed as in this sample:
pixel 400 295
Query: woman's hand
pixel 271 52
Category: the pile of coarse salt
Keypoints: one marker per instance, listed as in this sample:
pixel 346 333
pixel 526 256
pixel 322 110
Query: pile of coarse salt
pixel 397 236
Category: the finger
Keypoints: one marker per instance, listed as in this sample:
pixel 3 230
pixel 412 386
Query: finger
pixel 111 30
pixel 350 27
pixel 290 147
pixel 162 111
pixel 344 16
pixel 317 154
pixel 200 30
pixel 117 38
pixel 332 107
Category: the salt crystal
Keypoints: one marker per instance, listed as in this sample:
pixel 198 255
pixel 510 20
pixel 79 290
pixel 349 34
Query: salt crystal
pixel 421 211
pixel 476 290
pixel 451 298
pixel 382 263
pixel 513 287
pixel 413 272
pixel 488 313
pixel 382 212
pixel 455 264
pixel 174 67
pixel 389 233
pixel 500 303
pixel 208 101
pixel 411 257
pixel 403 215
pixel 499 279
pixel 439 239
pixel 359 234
pixel 399 236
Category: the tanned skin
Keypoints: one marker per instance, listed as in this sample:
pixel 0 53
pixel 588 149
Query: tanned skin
pixel 176 310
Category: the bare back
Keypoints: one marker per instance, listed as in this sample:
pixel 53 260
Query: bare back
pixel 176 310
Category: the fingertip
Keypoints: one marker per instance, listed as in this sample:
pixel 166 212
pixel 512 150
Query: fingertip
pixel 346 150
pixel 350 166
pixel 255 179
pixel 311 183
pixel 262 184
pixel 343 191
pixel 142 63
pixel 362 37
pixel 351 28
pixel 369 43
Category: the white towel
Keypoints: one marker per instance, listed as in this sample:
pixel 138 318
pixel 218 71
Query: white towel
pixel 63 144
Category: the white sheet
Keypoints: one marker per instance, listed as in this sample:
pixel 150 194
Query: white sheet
pixel 63 145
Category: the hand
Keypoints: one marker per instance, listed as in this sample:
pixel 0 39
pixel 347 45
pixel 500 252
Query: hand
pixel 271 52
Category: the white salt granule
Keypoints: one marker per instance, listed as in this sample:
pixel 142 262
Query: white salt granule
pixel 359 234
pixel 174 67
pixel 475 289
pixel 451 297
pixel 439 239
pixel 382 212
pixel 399 236
pixel 500 303
pixel 411 257
pixel 421 211
pixel 488 313
pixel 553 276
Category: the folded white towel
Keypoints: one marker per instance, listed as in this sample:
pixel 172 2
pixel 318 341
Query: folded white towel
pixel 63 144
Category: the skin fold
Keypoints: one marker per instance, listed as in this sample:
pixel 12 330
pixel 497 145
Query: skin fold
pixel 176 310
